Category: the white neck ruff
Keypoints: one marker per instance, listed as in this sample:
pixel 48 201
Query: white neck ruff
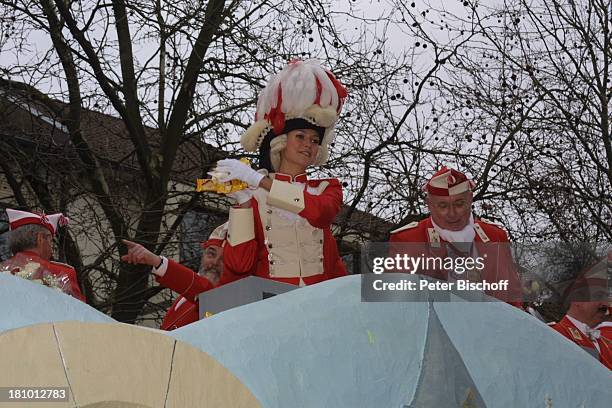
pixel 467 234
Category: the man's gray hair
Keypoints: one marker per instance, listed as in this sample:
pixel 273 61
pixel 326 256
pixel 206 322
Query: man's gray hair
pixel 24 237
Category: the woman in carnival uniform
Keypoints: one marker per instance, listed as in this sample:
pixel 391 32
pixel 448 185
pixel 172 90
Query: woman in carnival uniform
pixel 281 227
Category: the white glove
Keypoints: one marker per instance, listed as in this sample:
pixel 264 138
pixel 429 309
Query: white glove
pixel 242 196
pixel 232 169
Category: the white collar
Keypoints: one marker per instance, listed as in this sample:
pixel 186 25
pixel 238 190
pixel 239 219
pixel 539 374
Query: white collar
pixel 604 324
pixel 467 234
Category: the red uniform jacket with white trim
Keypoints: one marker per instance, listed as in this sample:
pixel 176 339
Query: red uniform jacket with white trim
pixel 489 240
pixel 58 269
pixel 256 256
pixel 570 331
pixel 181 313
pixel 189 285
pixel 606 330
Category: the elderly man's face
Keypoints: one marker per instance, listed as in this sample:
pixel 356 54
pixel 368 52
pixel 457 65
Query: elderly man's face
pixel 211 264
pixel 590 313
pixel 452 212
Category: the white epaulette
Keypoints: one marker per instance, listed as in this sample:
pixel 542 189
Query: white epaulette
pixel 490 222
pixel 495 224
pixel 413 224
pixel 434 237
pixel 322 186
pixel 483 235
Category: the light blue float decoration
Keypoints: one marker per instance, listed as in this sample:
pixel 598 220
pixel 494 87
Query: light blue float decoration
pixel 320 346
pixel 24 303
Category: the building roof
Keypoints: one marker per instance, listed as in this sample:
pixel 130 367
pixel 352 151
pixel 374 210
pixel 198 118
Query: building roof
pixel 36 119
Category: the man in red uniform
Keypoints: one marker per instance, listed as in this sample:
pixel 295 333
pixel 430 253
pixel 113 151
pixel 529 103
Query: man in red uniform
pixel 588 308
pixel 182 280
pixel 451 229
pixel 31 242
pixel 579 325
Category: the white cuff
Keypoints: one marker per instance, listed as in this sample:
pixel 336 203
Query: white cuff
pixel 161 271
pixel 254 179
pixel 241 226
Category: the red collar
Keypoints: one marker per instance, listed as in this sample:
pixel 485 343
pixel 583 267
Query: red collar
pixel 300 178
pixel 32 254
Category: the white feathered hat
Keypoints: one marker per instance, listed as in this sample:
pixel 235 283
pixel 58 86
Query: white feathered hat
pixel 302 93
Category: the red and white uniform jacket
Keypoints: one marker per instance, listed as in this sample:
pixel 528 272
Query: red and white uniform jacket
pixel 593 343
pixel 606 331
pixel 30 266
pixel 490 241
pixel 188 284
pixel 286 235
pixel 181 313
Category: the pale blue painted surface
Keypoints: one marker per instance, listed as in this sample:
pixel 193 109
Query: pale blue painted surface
pixel 311 348
pixel 518 361
pixel 319 346
pixel 24 303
